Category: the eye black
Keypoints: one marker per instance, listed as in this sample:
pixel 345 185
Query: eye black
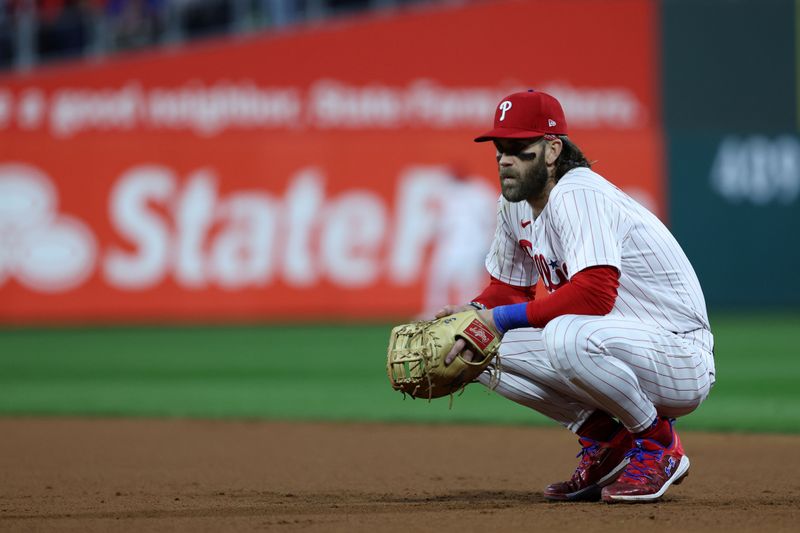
pixel 518 154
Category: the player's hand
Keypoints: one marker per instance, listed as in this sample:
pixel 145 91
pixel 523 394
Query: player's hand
pixel 461 346
pixel 448 310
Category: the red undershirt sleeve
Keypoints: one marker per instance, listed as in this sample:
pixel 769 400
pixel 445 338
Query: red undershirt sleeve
pixel 501 293
pixel 592 291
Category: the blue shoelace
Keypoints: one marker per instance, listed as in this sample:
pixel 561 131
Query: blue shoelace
pixel 586 450
pixel 637 468
pixel 585 456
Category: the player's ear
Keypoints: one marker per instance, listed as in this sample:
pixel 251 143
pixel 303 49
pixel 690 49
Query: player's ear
pixel 553 150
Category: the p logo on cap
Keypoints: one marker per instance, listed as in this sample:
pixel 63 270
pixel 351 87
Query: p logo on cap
pixel 504 107
pixel 535 114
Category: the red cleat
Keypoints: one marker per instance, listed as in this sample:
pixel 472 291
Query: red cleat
pixel 601 463
pixel 653 467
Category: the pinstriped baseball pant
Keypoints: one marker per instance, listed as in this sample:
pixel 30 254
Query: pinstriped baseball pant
pixel 578 364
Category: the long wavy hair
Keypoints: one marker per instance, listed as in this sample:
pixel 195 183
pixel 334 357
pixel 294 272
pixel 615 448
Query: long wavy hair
pixel 571 157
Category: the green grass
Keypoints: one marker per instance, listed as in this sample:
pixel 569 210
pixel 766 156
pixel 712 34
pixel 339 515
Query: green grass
pixel 335 372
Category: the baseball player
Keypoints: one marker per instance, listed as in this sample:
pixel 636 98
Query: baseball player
pixel 622 346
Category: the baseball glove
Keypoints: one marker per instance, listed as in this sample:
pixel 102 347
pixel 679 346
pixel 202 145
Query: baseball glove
pixel 415 358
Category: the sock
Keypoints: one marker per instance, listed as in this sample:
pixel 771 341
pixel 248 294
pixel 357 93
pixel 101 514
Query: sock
pixel 660 431
pixel 599 426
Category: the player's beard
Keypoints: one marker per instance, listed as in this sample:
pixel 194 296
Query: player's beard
pixel 526 186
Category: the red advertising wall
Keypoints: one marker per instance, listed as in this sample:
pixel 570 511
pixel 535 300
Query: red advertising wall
pixel 304 174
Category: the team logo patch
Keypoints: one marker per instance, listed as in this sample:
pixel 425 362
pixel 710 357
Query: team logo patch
pixel 504 107
pixel 479 334
pixel 551 122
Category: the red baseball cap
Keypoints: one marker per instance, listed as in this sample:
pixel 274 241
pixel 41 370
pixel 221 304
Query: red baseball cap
pixel 526 114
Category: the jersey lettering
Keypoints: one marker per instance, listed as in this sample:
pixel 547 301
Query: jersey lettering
pixel 553 275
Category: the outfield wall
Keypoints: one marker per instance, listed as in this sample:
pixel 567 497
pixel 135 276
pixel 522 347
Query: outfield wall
pixel 731 121
pixel 303 174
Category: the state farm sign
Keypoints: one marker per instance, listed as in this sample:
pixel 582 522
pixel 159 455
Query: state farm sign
pixel 183 230
pixel 43 249
pixel 186 230
pixel 277 178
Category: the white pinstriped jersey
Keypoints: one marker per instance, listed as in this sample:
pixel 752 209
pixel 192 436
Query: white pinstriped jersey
pixel 590 222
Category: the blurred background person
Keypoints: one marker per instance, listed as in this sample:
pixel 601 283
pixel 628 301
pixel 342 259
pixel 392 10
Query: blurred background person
pixel 136 23
pixel 463 233
pixel 65 28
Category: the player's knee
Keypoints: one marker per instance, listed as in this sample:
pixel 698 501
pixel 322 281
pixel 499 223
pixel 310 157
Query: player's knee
pixel 560 344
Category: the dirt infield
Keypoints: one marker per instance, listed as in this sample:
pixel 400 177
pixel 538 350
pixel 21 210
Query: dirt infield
pixel 144 475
